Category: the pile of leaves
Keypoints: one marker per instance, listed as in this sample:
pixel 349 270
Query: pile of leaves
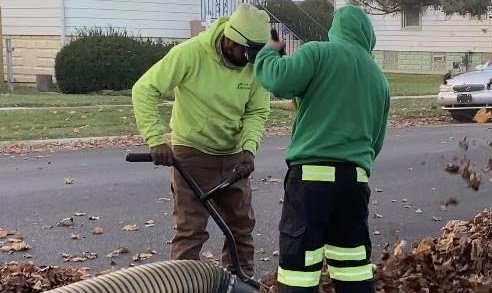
pixel 460 260
pixel 25 277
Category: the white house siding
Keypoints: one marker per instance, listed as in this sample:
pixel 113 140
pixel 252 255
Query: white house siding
pixel 33 26
pixel 36 26
pixel 30 17
pixel 437 34
pixel 148 18
pixel 435 46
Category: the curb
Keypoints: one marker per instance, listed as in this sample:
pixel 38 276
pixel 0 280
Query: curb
pixel 168 103
pixel 63 140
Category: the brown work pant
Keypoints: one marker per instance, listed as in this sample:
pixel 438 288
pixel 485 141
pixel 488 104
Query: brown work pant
pixel 234 206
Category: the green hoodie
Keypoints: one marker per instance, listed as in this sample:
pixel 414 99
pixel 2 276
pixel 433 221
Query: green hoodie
pixel 343 96
pixel 217 109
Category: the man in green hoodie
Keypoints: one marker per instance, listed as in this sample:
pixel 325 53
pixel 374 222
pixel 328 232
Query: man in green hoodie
pixel 343 102
pixel 217 122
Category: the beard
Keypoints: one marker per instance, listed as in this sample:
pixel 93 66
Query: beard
pixel 228 54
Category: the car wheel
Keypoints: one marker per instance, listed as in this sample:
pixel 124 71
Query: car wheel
pixel 463 115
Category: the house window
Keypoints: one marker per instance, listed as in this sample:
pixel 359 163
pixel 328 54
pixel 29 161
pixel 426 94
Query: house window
pixel 411 19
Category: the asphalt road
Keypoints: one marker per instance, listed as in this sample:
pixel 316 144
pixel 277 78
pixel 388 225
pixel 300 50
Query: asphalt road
pixel 33 196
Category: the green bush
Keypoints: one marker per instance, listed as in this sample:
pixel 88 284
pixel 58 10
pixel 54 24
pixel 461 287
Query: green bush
pixel 105 59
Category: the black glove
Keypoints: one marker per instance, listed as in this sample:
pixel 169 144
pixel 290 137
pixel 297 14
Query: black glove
pixel 274 36
pixel 162 155
pixel 247 159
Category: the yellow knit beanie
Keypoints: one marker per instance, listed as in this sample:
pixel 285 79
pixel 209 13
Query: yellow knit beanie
pixel 248 22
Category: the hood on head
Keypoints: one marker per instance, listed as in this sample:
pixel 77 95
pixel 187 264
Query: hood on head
pixel 351 24
pixel 208 38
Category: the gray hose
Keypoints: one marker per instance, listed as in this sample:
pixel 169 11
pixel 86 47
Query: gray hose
pixel 182 276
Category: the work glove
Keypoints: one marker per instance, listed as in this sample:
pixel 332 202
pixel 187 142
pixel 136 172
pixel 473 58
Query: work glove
pixel 162 155
pixel 246 159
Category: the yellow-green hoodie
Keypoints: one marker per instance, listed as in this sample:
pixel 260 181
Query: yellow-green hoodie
pixel 217 110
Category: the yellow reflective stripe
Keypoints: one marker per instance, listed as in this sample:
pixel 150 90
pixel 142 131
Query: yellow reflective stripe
pixel 318 173
pixel 340 253
pixel 353 274
pixel 313 257
pixel 362 175
pixel 298 279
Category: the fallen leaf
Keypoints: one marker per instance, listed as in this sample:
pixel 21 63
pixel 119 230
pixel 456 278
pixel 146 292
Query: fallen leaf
pixel 94 218
pixel 451 201
pixel 265 259
pixel 436 218
pixel 150 223
pixel 27 256
pixel 78 259
pixel 377 216
pixel 164 199
pixel 274 180
pixel 90 255
pixel 68 181
pixel 97 230
pixel 38 286
pixel 407 206
pixel 404 200
pixel 276 253
pixel 378 190
pixel 142 256
pixel 67 222
pixel 482 116
pixel 117 252
pixel 75 236
pixel 393 200
pixel 16 246
pixel 475 181
pixel 452 168
pixel 78 214
pixel 130 228
pixel 208 255
pixel 377 232
pixel 463 144
pixel 400 248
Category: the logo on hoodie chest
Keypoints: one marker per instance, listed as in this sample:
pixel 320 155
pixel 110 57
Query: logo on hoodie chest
pixel 244 86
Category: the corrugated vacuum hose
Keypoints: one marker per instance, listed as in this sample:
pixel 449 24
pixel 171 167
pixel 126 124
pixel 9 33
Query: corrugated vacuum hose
pixel 182 276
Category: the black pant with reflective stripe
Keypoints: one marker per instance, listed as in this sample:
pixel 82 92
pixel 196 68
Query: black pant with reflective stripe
pixel 325 220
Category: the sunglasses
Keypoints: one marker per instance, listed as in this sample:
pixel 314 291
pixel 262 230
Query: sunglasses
pixel 252 48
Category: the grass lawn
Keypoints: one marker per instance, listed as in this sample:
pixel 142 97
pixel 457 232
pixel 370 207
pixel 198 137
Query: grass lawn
pixel 66 123
pixel 105 121
pixel 414 84
pixel 401 85
pixel 415 108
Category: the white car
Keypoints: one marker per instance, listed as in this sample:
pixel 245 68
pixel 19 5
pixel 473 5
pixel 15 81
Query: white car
pixel 463 95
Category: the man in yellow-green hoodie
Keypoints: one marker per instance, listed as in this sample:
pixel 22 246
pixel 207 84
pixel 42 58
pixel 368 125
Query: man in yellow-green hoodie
pixel 217 122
